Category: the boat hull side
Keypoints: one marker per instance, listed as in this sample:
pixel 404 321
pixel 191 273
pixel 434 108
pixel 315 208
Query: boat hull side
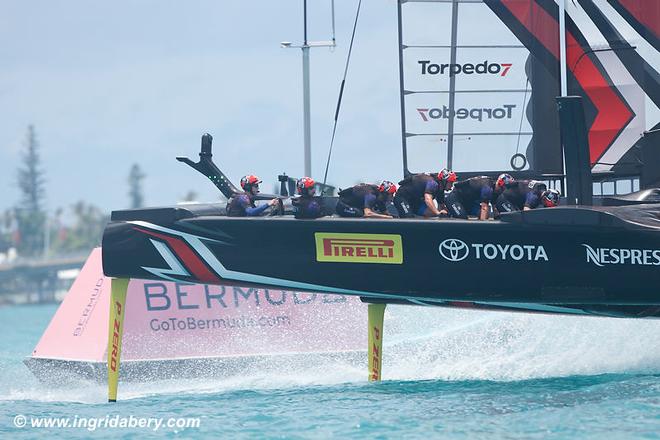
pixel 426 260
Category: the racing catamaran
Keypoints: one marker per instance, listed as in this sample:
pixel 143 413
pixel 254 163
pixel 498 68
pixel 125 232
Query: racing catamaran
pixel 575 259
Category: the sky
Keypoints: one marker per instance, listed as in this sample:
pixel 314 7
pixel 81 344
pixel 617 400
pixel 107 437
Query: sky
pixel 110 84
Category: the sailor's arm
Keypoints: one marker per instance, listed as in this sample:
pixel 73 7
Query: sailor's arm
pixel 486 196
pixel 369 213
pixel 483 214
pixel 428 200
pixel 253 212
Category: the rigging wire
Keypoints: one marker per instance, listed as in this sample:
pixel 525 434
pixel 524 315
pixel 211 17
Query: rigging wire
pixel 522 117
pixel 341 93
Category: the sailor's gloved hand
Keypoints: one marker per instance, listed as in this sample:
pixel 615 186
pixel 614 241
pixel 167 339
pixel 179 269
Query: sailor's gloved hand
pixel 276 207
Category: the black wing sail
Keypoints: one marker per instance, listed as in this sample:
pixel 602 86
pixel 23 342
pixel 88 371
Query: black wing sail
pixel 454 78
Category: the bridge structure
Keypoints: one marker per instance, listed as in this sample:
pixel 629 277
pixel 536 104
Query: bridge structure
pixel 38 280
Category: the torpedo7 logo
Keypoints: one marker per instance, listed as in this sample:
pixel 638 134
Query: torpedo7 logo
pixel 476 114
pixel 485 68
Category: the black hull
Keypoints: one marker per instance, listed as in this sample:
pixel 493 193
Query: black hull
pixel 606 260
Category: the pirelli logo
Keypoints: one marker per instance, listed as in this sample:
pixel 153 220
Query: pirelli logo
pixel 358 248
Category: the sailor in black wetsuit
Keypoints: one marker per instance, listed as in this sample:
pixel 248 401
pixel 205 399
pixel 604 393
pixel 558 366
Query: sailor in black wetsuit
pixel 307 205
pixel 366 200
pixel 242 204
pixel 503 180
pixel 471 197
pixel 417 192
pixel 520 195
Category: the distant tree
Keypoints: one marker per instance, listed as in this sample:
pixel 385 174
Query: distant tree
pixel 30 214
pixel 135 193
pixel 85 233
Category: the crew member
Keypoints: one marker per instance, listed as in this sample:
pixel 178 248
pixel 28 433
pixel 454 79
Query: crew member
pixel 417 192
pixel 521 195
pixel 503 180
pixel 307 205
pixel 366 200
pixel 471 197
pixel 242 204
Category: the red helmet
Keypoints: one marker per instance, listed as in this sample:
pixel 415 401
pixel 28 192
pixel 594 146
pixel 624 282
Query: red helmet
pixel 550 198
pixel 387 187
pixel 446 175
pixel 504 179
pixel 304 184
pixel 249 181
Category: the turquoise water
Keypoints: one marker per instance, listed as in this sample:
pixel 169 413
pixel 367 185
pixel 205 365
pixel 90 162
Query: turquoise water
pixel 451 374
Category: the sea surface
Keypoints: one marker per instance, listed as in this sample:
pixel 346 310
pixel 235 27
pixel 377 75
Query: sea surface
pixel 449 374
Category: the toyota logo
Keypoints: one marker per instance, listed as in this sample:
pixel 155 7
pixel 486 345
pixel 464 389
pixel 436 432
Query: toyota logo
pixel 453 249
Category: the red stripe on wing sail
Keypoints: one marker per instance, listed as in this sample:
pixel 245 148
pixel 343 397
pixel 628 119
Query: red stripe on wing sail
pixel 613 113
pixel 647 12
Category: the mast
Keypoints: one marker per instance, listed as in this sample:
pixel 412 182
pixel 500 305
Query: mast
pixel 452 86
pixel 307 130
pixel 562 47
pixel 571 190
pixel 305 47
pixel 402 92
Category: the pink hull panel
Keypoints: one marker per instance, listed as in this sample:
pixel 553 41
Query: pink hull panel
pixel 167 320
